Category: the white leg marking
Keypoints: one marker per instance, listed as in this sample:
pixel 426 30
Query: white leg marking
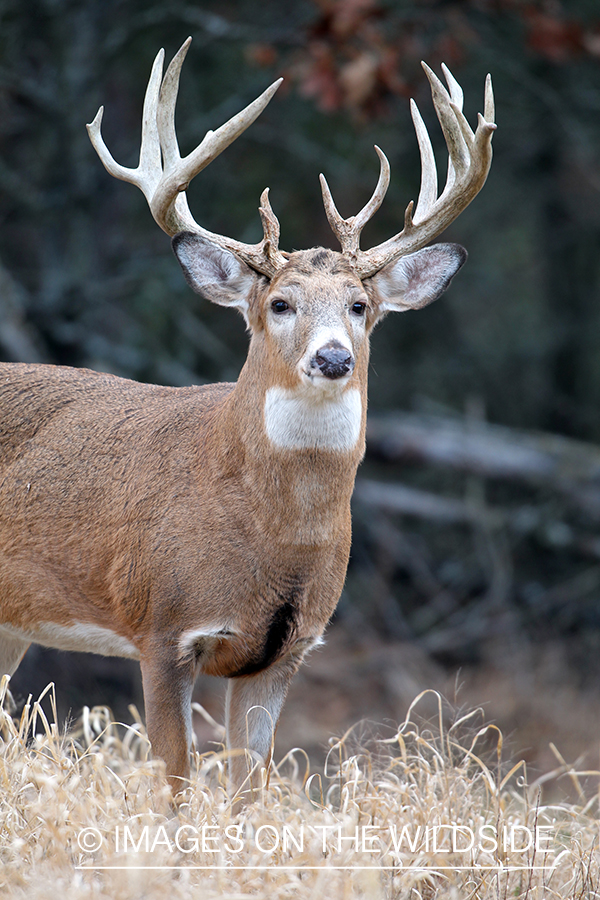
pixel 253 706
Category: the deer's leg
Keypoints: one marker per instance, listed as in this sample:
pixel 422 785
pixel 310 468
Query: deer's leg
pixel 252 709
pixel 168 685
pixel 12 651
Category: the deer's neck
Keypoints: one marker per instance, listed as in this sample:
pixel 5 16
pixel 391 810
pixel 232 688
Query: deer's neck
pixel 299 450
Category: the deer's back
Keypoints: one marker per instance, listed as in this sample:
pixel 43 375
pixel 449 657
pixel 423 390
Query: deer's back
pixel 40 403
pixel 75 440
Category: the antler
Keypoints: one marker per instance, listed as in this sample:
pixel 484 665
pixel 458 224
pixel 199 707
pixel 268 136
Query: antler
pixel 164 176
pixel 470 157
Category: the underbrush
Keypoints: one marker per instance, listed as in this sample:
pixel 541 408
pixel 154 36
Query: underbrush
pixel 432 812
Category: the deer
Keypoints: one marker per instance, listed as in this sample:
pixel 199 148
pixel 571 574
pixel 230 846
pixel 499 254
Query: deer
pixel 207 528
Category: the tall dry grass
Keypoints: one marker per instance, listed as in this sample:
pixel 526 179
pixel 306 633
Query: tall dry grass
pixel 84 814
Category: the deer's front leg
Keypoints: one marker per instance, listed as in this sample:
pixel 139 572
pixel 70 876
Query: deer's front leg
pixel 168 683
pixel 252 709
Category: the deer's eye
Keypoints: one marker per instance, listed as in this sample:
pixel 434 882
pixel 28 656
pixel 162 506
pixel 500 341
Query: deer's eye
pixel 359 308
pixel 279 306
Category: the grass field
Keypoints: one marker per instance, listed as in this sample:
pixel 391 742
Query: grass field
pixel 433 812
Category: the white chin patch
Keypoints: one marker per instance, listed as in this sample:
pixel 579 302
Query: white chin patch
pixel 296 421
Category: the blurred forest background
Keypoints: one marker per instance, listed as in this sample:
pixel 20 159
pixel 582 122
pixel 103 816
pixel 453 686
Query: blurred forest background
pixel 476 547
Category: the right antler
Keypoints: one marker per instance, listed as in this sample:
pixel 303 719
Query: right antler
pixel 163 176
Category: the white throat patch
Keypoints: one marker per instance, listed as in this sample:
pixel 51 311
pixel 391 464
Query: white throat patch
pixel 296 421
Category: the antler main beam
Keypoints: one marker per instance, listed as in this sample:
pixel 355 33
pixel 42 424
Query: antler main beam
pixel 470 157
pixel 163 175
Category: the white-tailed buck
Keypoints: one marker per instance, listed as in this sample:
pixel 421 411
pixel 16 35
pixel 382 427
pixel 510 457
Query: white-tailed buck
pixel 207 529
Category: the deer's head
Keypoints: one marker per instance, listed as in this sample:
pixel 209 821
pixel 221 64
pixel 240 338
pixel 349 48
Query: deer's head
pixel 310 312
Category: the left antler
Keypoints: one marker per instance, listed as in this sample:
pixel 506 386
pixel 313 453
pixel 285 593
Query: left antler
pixel 470 157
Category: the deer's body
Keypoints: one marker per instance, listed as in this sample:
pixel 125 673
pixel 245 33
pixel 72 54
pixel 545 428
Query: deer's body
pixel 129 500
pixel 208 528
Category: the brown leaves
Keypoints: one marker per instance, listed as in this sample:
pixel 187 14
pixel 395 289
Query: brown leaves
pixel 358 54
pixel 553 36
pixel 348 62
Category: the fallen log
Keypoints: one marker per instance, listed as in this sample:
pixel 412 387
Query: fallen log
pixel 400 499
pixel 568 466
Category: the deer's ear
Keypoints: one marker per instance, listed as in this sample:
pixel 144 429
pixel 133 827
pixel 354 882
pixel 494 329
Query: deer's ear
pixel 414 281
pixel 215 273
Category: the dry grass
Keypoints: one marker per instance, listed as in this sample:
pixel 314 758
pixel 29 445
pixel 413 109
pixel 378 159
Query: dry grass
pixel 94 784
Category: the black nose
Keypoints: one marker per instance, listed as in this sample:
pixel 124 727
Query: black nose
pixel 333 360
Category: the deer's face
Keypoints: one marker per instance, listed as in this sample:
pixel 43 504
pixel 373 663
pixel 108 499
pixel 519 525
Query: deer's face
pixel 314 318
pixel 310 323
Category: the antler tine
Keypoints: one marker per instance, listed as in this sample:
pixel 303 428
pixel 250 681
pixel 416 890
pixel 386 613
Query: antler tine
pixel 165 114
pixel 147 173
pixel 489 111
pixel 470 157
pixel 429 182
pixel 269 220
pixel 456 103
pixel 456 92
pixel 348 231
pixel 163 175
pixel 442 101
